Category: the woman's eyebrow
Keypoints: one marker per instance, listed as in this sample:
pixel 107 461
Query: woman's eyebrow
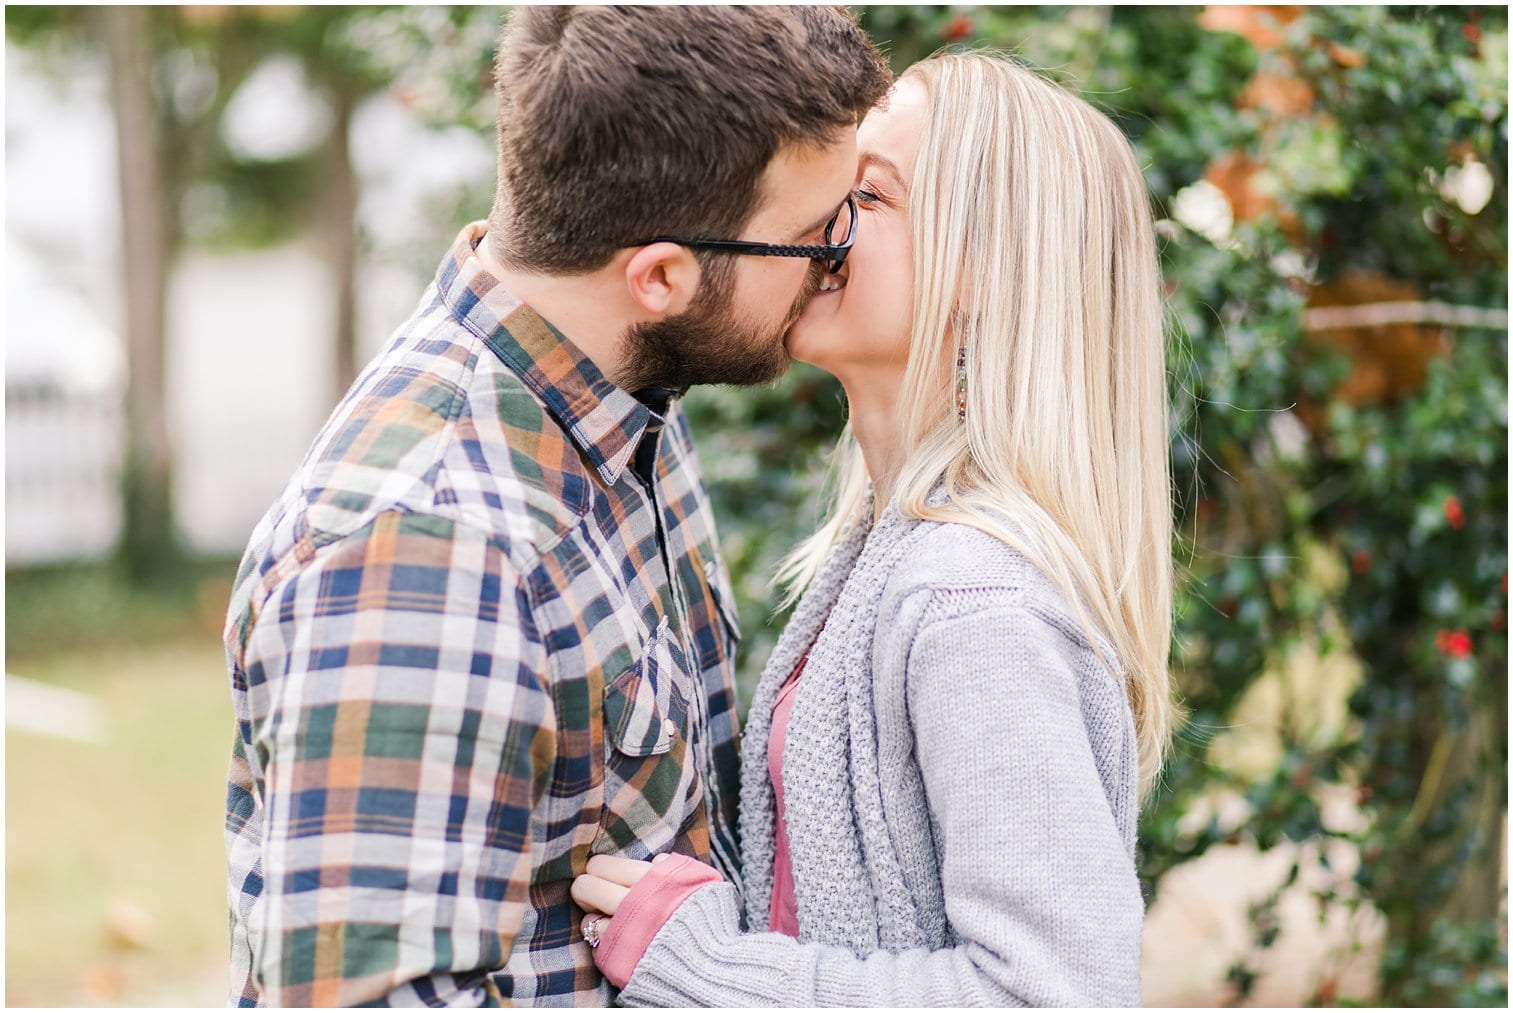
pixel 886 164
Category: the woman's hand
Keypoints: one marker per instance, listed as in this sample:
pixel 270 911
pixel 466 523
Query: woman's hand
pixel 643 900
pixel 607 880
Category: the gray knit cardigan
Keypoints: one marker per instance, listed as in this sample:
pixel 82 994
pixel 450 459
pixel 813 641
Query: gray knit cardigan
pixel 960 784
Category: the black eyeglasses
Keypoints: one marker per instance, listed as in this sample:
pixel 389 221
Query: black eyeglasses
pixel 832 253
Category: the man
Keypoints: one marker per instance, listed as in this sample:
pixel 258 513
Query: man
pixel 486 631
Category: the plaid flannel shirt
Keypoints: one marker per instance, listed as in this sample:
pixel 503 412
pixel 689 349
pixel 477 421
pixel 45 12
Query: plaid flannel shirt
pixel 484 634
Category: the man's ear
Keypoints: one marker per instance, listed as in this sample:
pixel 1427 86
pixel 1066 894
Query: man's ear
pixel 662 278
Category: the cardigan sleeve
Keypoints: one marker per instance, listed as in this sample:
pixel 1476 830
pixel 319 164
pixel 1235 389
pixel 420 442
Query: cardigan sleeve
pixel 1040 888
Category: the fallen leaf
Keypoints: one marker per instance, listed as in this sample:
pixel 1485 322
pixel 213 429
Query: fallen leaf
pixel 128 926
pixel 103 982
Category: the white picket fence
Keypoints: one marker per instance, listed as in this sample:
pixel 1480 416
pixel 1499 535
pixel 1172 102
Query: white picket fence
pixel 62 472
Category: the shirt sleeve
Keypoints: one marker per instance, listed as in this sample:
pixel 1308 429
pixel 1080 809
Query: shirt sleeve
pixel 402 732
pixel 1040 889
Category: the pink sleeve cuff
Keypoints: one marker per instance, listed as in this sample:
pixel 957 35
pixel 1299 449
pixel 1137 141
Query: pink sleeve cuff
pixel 645 910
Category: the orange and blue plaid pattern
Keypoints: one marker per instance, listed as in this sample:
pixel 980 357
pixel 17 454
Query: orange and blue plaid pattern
pixel 477 639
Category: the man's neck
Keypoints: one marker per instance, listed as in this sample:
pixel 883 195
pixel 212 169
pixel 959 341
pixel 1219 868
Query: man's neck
pixel 582 306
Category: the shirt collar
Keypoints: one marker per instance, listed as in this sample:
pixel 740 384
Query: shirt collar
pixel 604 420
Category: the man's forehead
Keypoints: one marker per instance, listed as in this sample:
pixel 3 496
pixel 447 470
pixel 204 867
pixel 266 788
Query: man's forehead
pixel 804 182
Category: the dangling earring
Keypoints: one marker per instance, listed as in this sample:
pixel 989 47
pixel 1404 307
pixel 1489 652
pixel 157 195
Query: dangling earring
pixel 961 382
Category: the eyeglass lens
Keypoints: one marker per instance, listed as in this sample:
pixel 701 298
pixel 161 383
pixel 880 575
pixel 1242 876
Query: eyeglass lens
pixel 838 233
pixel 839 230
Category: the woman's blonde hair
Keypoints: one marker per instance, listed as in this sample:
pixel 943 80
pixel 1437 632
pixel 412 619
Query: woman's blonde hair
pixel 1033 246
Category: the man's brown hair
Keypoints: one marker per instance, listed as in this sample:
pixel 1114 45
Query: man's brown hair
pixel 620 123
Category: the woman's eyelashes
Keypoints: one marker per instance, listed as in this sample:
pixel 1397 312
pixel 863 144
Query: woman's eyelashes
pixel 865 196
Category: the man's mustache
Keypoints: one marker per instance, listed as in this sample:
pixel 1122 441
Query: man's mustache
pixel 812 282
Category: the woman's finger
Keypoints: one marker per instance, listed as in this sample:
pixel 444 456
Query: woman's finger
pixel 625 871
pixel 594 894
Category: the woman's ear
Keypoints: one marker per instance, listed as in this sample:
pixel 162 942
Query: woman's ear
pixel 662 278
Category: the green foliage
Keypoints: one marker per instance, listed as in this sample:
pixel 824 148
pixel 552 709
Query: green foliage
pixel 438 59
pixel 201 57
pixel 1402 495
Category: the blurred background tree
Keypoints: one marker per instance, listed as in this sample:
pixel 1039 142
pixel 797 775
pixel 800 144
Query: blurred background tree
pixel 174 73
pixel 1330 186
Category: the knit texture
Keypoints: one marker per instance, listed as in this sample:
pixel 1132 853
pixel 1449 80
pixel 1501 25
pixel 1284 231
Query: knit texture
pixel 960 783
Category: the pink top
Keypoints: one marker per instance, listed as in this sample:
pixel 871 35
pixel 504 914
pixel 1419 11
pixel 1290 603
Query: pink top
pixel 785 907
pixel 670 881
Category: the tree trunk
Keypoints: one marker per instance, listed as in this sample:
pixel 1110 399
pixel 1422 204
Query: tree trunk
pixel 339 236
pixel 148 543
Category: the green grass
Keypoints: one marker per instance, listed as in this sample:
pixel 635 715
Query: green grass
pixel 92 605
pixel 115 889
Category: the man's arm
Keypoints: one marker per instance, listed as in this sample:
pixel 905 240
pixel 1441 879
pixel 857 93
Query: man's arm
pixel 403 733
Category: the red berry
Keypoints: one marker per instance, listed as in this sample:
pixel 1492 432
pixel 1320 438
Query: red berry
pixel 1458 644
pixel 958 28
pixel 1453 512
pixel 1360 562
pixel 1471 32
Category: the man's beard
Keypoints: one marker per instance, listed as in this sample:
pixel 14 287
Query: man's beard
pixel 708 343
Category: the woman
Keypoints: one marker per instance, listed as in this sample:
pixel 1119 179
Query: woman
pixel 944 760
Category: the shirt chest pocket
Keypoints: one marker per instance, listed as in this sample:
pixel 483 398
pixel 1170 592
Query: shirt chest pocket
pixel 639 716
pixel 651 781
